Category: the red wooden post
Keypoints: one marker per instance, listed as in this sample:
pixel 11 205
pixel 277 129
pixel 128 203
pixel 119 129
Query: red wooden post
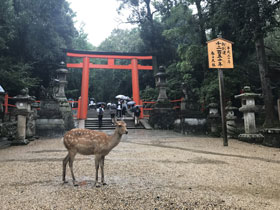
pixel 135 82
pixel 84 89
pixel 6 103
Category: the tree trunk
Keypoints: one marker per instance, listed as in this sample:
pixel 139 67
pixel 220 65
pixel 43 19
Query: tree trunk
pixel 204 63
pixel 201 22
pixel 270 116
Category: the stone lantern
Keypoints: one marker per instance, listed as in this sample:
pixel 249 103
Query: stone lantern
pixel 213 117
pixel 160 78
pixel 55 114
pixel 64 106
pixel 231 118
pixel 62 81
pixel 23 105
pixel 162 116
pixel 249 108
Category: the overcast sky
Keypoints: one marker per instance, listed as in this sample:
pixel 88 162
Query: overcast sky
pixel 99 16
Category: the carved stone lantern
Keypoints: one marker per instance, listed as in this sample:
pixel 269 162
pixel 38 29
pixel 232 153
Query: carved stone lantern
pixel 62 81
pixel 213 117
pixel 55 114
pixel 231 118
pixel 23 105
pixel 249 108
pixel 160 78
pixel 162 116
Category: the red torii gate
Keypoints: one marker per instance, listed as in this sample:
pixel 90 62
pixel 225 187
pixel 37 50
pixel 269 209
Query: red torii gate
pixel 110 56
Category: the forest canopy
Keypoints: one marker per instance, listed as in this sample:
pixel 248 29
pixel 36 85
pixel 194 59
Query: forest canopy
pixel 33 35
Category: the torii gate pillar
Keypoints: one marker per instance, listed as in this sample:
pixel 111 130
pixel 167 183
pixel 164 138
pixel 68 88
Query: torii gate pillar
pixel 84 88
pixel 135 81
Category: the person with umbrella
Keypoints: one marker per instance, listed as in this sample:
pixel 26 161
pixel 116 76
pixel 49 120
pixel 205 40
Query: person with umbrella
pixel 124 108
pixel 131 105
pixel 119 108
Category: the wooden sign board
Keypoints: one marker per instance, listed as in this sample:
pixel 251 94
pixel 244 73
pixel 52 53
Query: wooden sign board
pixel 220 54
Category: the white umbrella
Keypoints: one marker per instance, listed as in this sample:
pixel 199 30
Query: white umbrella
pixel 121 97
pixel 2 89
pixel 127 98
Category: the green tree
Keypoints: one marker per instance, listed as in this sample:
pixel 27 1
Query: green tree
pixel 35 32
pixel 119 41
pixel 14 74
pixel 74 78
pixel 143 14
pixel 252 21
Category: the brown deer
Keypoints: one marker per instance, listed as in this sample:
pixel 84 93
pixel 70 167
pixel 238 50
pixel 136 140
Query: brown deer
pixel 91 142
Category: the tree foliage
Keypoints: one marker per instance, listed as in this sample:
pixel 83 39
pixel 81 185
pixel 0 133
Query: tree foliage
pixel 245 22
pixel 33 34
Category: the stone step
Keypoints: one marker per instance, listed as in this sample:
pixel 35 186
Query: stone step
pixel 107 124
pixel 92 121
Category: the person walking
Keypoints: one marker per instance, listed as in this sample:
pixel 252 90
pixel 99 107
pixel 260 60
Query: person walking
pixel 119 109
pixel 112 113
pixel 100 112
pixel 124 108
pixel 137 113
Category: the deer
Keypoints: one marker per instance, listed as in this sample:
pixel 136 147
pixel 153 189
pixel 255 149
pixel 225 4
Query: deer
pixel 91 142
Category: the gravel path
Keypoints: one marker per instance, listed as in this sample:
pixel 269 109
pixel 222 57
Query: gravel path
pixel 147 170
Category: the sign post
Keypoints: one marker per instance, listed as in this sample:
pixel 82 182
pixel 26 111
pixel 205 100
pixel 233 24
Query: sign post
pixel 222 105
pixel 220 57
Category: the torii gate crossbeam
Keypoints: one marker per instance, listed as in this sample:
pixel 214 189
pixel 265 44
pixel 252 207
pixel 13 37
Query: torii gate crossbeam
pixel 110 56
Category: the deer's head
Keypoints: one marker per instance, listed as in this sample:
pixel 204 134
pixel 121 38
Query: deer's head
pixel 121 127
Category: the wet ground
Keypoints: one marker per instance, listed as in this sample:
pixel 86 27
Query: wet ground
pixel 147 170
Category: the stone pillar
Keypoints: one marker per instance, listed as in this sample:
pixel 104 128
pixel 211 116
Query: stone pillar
pixel 248 108
pixel 31 122
pixel 21 127
pixel 23 105
pixel 213 117
pixel 230 120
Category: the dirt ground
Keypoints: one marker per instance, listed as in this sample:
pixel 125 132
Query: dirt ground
pixel 147 170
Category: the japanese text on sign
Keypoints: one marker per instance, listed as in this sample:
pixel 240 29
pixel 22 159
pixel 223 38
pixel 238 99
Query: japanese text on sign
pixel 220 53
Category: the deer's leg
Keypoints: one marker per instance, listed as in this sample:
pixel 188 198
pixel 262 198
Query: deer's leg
pixel 102 170
pixel 65 161
pixel 97 161
pixel 71 160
